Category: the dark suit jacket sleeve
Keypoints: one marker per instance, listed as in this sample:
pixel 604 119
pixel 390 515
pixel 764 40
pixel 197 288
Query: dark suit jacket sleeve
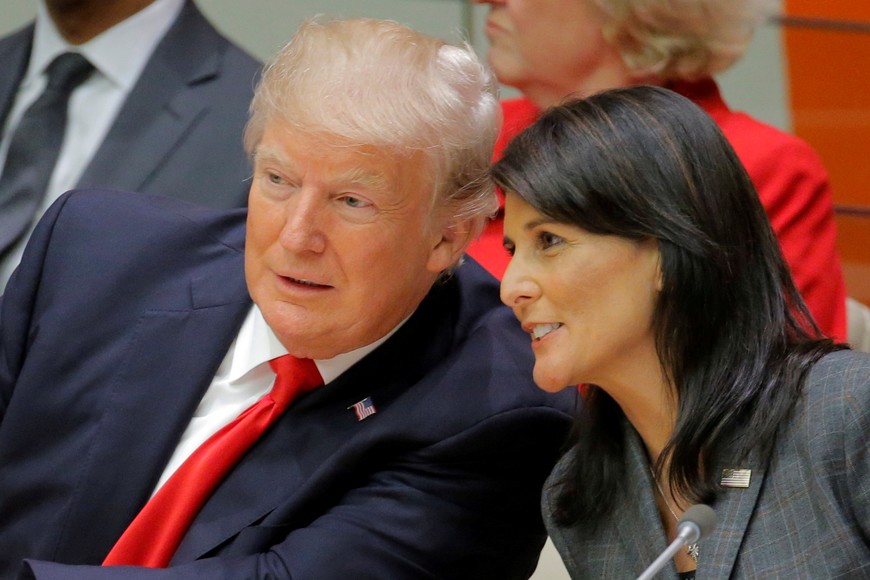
pixel 386 527
pixel 17 304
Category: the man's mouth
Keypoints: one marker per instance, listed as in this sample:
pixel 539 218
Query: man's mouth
pixel 303 282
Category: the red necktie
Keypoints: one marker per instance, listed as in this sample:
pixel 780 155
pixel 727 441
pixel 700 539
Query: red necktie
pixel 154 535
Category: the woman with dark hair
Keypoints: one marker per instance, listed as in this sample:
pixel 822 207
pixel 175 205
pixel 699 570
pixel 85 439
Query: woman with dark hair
pixel 556 49
pixel 644 266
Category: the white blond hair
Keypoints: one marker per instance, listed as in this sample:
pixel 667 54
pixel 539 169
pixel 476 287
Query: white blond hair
pixel 379 83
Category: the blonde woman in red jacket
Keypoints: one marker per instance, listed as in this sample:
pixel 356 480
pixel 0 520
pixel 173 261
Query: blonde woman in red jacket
pixel 550 49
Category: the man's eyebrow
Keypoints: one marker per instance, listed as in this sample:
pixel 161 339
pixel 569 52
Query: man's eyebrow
pixel 356 176
pixel 367 179
pixel 269 154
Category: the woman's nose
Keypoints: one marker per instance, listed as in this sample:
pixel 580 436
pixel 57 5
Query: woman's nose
pixel 517 286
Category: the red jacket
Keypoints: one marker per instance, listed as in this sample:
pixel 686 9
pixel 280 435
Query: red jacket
pixel 791 182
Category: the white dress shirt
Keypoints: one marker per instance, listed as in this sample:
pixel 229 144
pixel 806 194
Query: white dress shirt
pixel 243 378
pixel 119 55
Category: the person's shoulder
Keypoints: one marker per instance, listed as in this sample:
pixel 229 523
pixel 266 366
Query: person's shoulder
pixel 15 51
pixel 91 242
pixel 517 114
pixel 841 372
pixel 192 17
pixel 22 36
pixel 763 147
pixel 237 60
pixel 750 127
pixel 107 200
pixel 847 368
pixel 204 46
pixel 837 393
pixel 490 346
pixel 98 212
pixel 482 318
pixel 519 107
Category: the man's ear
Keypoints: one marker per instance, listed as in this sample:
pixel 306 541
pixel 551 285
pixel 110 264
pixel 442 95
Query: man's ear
pixel 449 246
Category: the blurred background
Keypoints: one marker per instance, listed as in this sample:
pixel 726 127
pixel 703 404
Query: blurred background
pixel 805 72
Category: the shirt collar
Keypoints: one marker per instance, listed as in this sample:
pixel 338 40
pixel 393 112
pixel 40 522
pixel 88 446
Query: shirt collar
pixel 120 53
pixel 257 344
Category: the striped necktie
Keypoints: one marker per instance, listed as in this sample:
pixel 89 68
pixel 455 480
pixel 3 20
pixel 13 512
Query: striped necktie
pixel 34 148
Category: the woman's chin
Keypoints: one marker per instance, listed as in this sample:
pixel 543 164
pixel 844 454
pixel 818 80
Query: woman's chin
pixel 550 383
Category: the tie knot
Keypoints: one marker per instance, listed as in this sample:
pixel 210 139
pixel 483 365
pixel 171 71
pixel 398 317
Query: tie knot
pixel 67 71
pixel 295 376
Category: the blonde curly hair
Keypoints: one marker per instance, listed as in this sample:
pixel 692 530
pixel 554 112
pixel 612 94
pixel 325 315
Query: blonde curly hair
pixel 681 39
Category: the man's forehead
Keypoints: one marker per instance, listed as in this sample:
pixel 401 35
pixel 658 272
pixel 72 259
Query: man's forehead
pixel 368 165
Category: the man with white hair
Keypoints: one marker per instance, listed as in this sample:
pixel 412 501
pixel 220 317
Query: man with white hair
pixel 312 388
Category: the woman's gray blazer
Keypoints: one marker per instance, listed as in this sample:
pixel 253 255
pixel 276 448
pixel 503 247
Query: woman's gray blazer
pixel 805 514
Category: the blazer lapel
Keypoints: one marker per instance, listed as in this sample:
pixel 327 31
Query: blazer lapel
pixel 642 535
pixel 160 108
pixel 319 440
pixel 637 522
pixel 154 393
pixel 734 509
pixel 639 530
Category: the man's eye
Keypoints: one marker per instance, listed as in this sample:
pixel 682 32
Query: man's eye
pixel 547 240
pixel 352 201
pixel 275 178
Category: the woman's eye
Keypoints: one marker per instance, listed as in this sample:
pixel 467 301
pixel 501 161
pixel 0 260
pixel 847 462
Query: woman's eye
pixel 509 247
pixel 547 240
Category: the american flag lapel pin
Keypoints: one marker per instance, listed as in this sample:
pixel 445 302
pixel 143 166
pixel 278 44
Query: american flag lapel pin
pixel 363 408
pixel 736 478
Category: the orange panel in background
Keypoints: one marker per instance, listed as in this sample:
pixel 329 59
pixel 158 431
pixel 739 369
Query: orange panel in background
pixel 828 50
pixel 830 102
pixel 837 9
pixel 854 237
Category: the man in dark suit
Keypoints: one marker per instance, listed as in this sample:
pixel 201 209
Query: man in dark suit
pixel 162 111
pixel 138 327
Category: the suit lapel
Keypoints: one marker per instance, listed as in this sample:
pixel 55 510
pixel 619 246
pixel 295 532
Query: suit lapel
pixel 160 109
pixel 639 530
pixel 319 441
pixel 15 55
pixel 734 509
pixel 154 394
pixel 642 535
pixel 637 522
pixel 312 446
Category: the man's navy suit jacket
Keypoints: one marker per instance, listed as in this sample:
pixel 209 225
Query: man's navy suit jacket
pixel 111 331
pixel 179 131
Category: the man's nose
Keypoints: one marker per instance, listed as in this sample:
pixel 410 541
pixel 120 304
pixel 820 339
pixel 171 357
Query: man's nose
pixel 303 229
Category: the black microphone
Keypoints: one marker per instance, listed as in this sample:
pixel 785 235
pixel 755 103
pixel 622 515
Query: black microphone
pixel 698 521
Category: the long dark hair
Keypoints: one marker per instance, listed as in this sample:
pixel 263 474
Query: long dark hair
pixel 733 335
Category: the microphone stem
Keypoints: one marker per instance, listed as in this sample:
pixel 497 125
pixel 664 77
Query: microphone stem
pixel 663 558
